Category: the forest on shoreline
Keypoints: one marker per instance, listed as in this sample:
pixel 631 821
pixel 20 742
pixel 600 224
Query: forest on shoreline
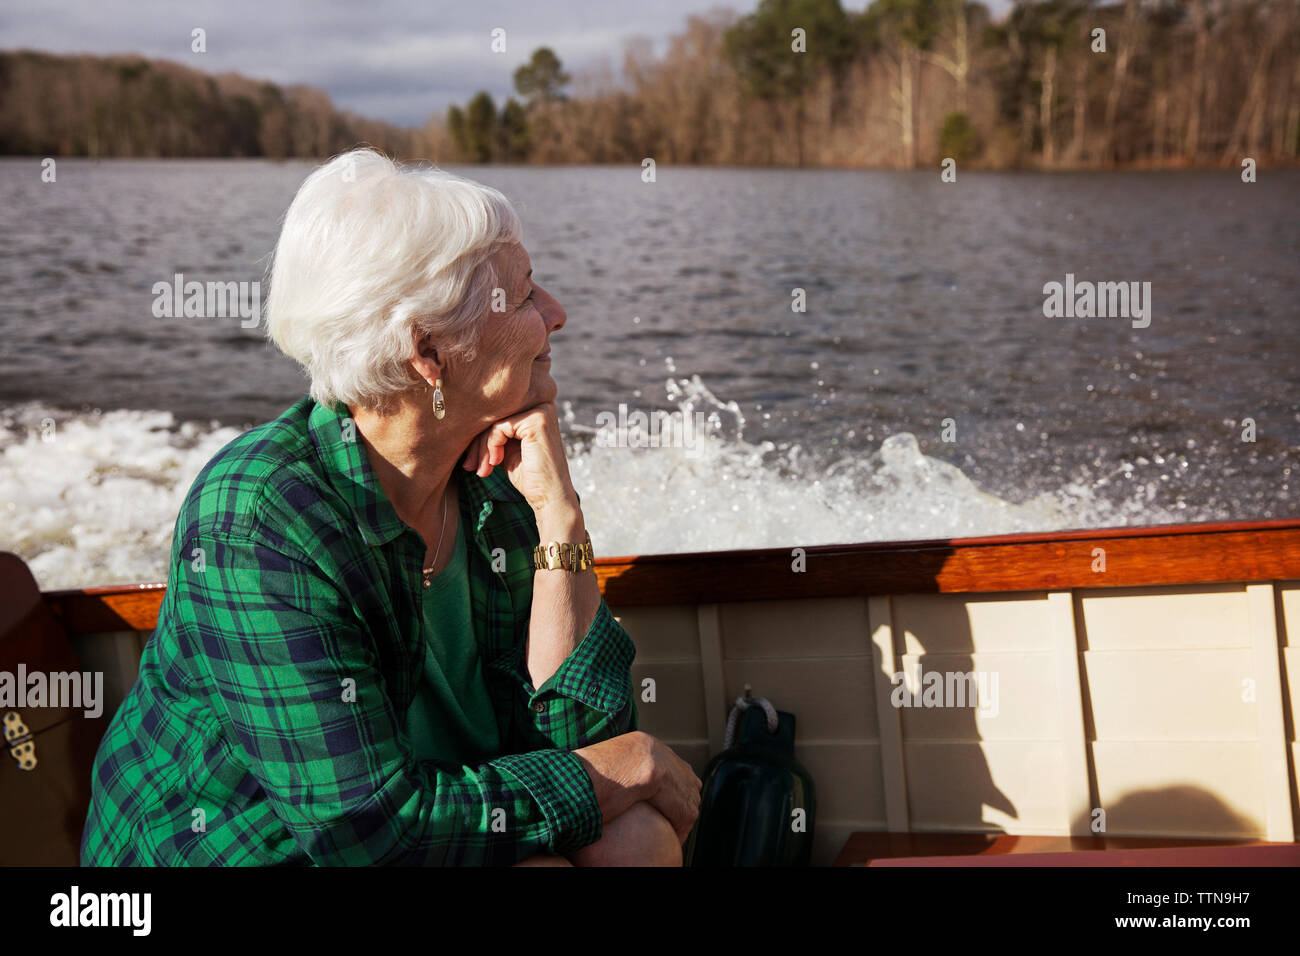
pixel 1054 84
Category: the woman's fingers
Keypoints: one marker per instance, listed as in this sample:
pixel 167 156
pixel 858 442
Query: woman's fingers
pixel 537 429
pixel 678 797
pixel 493 449
pixel 487 450
pixel 471 454
pixel 498 435
pixel 681 813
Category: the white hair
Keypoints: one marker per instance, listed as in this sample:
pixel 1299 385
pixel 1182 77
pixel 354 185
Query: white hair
pixel 372 252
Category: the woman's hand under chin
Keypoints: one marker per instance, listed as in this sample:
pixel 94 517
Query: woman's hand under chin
pixel 528 446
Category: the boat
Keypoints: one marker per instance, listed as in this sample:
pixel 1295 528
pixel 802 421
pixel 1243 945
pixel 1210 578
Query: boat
pixel 1125 690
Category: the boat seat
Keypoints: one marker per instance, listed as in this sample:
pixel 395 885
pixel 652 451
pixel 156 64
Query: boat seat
pixel 1006 849
pixel 45 764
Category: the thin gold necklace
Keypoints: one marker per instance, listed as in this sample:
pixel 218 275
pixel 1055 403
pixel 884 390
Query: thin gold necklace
pixel 427 573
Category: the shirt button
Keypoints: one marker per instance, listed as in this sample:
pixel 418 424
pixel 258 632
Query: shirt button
pixel 539 707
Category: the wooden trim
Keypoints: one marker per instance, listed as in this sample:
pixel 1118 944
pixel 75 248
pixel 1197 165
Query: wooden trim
pixel 1135 557
pixel 716 705
pixel 889 720
pixel 1077 781
pixel 130 607
pixel 1274 775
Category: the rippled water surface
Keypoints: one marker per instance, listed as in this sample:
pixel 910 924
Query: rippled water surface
pixel 924 316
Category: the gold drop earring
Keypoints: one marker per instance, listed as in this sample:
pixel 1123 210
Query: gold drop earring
pixel 439 404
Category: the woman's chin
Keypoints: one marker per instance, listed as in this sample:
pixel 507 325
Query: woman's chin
pixel 544 388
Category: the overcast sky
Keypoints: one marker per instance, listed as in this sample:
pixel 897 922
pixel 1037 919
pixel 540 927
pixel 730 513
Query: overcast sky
pixel 396 60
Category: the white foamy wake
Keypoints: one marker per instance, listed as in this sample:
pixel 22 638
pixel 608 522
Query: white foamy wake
pixel 96 502
pixel 91 499
pixel 724 492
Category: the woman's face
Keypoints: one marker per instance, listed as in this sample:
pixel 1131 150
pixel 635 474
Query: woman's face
pixel 513 365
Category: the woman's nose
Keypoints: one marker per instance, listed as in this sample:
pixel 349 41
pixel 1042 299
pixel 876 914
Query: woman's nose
pixel 552 311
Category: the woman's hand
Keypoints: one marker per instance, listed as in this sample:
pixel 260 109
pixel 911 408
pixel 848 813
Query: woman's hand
pixel 528 446
pixel 636 767
pixel 565 603
pixel 675 789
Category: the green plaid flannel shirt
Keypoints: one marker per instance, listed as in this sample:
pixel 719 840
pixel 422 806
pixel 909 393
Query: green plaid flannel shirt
pixel 266 725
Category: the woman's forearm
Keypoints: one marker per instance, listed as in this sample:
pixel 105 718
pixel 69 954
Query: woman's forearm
pixel 564 602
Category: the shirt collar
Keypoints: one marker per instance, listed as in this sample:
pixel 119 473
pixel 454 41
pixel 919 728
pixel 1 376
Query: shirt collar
pixel 349 472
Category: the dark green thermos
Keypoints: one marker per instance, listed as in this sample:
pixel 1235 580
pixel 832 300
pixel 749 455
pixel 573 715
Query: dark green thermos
pixel 758 802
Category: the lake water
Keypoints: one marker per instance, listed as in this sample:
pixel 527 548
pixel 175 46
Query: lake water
pixel 924 320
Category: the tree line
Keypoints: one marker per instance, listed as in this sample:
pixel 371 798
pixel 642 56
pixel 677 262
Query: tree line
pixel 130 106
pixel 903 83
pixel 1054 83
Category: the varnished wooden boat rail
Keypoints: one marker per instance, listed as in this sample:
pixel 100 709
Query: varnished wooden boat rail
pixel 123 607
pixel 1103 558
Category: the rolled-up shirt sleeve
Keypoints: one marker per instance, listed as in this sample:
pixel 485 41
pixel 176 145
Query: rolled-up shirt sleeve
pixel 590 697
pixel 296 683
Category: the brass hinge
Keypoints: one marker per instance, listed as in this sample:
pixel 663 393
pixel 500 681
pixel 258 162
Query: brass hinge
pixel 21 743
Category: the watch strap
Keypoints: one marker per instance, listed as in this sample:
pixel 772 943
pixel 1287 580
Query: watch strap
pixel 564 555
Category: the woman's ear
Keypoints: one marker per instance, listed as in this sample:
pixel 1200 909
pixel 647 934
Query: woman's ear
pixel 427 363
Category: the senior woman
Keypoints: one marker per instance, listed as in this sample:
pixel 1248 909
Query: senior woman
pixel 362 657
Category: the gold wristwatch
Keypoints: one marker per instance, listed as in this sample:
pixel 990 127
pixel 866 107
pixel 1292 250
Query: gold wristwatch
pixel 566 555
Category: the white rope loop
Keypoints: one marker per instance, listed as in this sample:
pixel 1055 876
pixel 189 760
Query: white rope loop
pixel 743 704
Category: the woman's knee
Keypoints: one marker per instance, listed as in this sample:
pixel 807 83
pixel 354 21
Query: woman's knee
pixel 661 839
pixel 640 836
pixel 544 859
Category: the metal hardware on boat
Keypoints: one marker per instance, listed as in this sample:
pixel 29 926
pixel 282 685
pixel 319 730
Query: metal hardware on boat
pixel 19 740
